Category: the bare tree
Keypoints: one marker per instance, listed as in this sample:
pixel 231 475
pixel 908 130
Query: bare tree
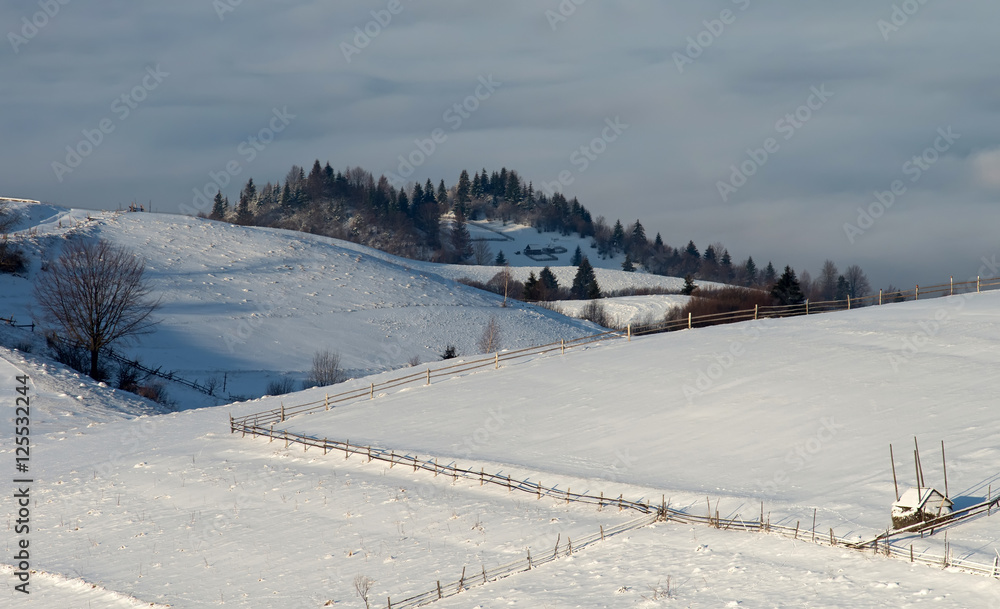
pixel 827 281
pixel 857 282
pixel 326 369
pixel 481 252
pixel 95 294
pixel 363 586
pixel 489 342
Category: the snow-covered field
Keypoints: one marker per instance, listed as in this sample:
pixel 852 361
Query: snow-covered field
pixel 130 507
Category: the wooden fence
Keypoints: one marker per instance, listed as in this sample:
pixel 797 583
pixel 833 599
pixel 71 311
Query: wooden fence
pixel 808 308
pixel 646 507
pixel 426 377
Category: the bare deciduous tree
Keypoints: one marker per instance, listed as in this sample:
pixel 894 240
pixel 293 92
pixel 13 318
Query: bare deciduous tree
pixel 326 369
pixel 95 294
pixel 857 282
pixel 481 252
pixel 489 342
pixel 363 586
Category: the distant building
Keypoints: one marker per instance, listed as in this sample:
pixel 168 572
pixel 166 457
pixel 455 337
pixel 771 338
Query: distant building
pixel 919 505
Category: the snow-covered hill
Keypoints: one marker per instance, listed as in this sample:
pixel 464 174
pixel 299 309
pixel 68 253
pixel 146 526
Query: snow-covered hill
pixel 251 305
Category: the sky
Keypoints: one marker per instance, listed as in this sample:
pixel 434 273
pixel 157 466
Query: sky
pixel 780 129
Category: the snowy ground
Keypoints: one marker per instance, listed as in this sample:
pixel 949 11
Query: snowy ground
pixel 130 507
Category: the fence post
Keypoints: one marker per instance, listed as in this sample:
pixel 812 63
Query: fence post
pixel 916 293
pixel 231 428
pixel 952 286
pixel 807 307
pixel 977 283
pixel 496 360
pixel 880 297
pixel 562 346
pixel 327 401
pixel 755 312
pixel 629 333
pixel 282 412
pixel 372 394
pixel 428 376
pixel 689 321
pixel 848 302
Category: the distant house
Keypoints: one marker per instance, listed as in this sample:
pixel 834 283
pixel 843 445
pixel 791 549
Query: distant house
pixel 919 505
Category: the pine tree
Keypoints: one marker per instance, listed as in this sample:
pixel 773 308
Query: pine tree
pixel 585 282
pixel 689 286
pixel 628 266
pixel 532 288
pixel 770 275
pixel 549 281
pixel 786 290
pixel 403 202
pixel 843 289
pixel 219 206
pixel 710 254
pixel 618 236
pixel 442 194
pixel 751 271
pixel 501 259
pixel 429 192
pixel 658 243
pixel 577 257
pixel 727 266
pixel 460 240
pixel 463 191
pixel 638 234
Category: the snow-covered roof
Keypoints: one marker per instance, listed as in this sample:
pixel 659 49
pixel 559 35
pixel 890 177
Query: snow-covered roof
pixel 917 499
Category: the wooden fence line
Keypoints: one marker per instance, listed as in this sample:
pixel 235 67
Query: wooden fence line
pixel 478 577
pixel 661 511
pixel 278 415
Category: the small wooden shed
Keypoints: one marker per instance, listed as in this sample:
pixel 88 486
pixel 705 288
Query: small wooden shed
pixel 919 505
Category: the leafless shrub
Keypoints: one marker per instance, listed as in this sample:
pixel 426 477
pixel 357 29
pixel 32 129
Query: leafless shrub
pixel 280 386
pixel 658 591
pixel 363 586
pixel 414 361
pixel 326 369
pixel 489 342
pixel 595 312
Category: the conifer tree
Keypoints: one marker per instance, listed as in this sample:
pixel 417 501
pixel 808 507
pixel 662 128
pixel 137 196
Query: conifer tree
pixel 501 259
pixel 751 271
pixel 770 275
pixel 786 290
pixel 549 283
pixel 618 236
pixel 689 286
pixel 577 257
pixel 628 265
pixel 463 191
pixel 532 287
pixel 585 282
pixel 219 207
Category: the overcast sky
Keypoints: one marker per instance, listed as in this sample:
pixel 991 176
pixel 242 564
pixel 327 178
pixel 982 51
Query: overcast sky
pixel 763 125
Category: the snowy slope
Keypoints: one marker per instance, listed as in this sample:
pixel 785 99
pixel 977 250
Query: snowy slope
pixel 797 413
pixel 254 304
pixel 174 510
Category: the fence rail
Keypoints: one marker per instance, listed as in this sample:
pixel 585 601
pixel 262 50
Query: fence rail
pixel 663 510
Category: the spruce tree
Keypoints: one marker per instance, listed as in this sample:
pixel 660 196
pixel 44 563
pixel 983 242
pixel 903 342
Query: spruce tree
pixel 442 195
pixel 627 265
pixel 689 286
pixel 751 271
pixel 463 191
pixel 770 275
pixel 550 285
pixel 501 259
pixel 786 290
pixel 532 288
pixel 618 236
pixel 577 257
pixel 585 281
pixel 461 243
pixel 219 206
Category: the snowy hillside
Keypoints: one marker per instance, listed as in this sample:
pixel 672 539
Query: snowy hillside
pixel 252 304
pixel 174 510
